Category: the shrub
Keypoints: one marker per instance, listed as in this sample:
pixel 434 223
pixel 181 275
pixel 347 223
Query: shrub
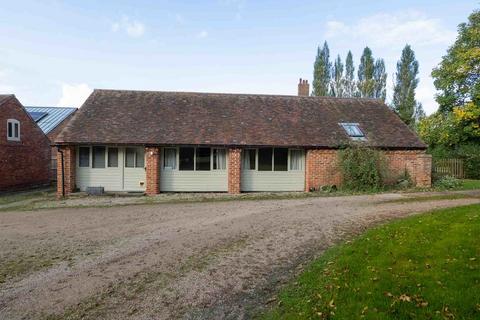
pixel 447 183
pixel 362 168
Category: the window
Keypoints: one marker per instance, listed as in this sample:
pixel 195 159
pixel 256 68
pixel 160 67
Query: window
pixel 112 157
pixel 98 157
pixel 13 130
pixel 249 159
pixel 265 159
pixel 296 160
pixel 280 159
pixel 219 159
pixel 187 161
pixel 353 131
pixel 134 158
pixel 139 157
pixel 84 157
pixel 170 158
pixel 202 159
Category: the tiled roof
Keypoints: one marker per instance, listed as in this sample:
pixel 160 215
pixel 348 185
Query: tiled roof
pixel 54 116
pixel 167 118
pixel 5 97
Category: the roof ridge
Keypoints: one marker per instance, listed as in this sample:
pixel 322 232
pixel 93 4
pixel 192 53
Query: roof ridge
pixel 241 94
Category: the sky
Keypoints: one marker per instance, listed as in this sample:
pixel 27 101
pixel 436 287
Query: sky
pixel 54 53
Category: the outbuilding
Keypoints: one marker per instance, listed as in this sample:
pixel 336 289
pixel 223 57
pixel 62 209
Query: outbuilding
pixel 153 141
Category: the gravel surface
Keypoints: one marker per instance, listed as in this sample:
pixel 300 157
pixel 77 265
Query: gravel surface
pixel 186 260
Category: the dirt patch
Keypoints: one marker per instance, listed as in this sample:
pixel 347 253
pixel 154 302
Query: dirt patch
pixel 191 260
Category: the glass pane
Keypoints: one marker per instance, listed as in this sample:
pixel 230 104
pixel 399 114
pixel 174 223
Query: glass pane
pixel 84 157
pixel 248 159
pixel 280 159
pixel 219 159
pixel 140 159
pixel 203 159
pixel 98 157
pixel 10 130
pixel 170 158
pixel 265 159
pixel 113 157
pixel 129 158
pixel 16 125
pixel 296 160
pixel 187 158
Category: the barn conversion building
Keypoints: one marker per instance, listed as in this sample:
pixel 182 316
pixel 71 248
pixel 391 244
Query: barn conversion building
pixel 156 142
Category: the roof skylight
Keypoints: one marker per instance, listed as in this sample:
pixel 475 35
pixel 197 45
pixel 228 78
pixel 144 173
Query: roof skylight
pixel 353 130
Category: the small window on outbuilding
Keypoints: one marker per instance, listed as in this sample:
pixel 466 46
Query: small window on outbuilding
pixel 353 130
pixel 13 130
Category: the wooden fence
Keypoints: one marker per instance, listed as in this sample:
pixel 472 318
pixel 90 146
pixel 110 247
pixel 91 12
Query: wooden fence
pixel 449 167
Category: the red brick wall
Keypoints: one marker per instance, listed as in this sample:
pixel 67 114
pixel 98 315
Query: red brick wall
pixel 23 163
pixel 52 135
pixel 234 170
pixel 322 167
pixel 152 155
pixel 69 161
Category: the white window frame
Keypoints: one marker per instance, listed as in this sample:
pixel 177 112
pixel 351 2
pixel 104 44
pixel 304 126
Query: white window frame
pixel 273 160
pixel 177 168
pixel 134 158
pixel 13 122
pixel 105 156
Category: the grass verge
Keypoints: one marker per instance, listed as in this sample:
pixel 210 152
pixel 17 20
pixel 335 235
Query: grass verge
pixel 452 196
pixel 423 267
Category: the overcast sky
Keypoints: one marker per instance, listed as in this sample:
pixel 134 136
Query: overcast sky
pixel 53 53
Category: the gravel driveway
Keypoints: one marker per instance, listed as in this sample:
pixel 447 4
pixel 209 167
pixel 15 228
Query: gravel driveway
pixel 192 261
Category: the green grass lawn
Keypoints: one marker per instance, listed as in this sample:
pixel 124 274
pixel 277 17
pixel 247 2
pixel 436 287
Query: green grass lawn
pixel 468 184
pixel 423 267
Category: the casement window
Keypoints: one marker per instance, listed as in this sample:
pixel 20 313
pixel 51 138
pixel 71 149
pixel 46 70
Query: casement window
pixel 265 159
pixel 219 159
pixel 296 160
pixel 186 159
pixel 84 157
pixel 280 159
pixel 170 158
pixel 98 157
pixel 134 158
pixel 249 159
pixel 13 130
pixel 195 159
pixel 353 130
pixel 202 159
pixel 273 159
pixel 112 157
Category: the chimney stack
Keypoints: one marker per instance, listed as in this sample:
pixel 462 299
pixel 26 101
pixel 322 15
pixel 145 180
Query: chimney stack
pixel 303 88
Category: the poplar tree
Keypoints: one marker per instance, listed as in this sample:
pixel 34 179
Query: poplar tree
pixel 406 82
pixel 338 79
pixel 380 78
pixel 366 82
pixel 350 88
pixel 322 72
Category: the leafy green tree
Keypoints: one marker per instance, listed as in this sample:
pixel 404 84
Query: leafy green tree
pixel 338 79
pixel 380 79
pixel 457 77
pixel 366 82
pixel 322 72
pixel 350 86
pixel 406 82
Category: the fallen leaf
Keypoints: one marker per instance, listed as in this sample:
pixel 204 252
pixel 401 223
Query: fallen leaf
pixel 405 298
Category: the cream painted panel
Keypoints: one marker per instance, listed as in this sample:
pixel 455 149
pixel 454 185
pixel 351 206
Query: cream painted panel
pixel 272 180
pixel 193 181
pixel 109 178
pixel 134 179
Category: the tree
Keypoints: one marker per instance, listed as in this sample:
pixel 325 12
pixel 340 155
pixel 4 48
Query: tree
pixel 350 86
pixel 338 80
pixel 322 72
pixel 406 82
pixel 366 83
pixel 457 77
pixel 380 79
